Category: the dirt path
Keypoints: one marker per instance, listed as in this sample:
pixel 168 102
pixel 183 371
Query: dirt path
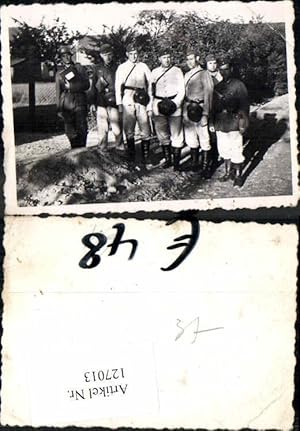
pixel 49 173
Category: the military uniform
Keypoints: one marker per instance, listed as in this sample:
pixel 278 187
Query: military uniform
pixel 231 119
pixel 195 134
pixel 104 99
pixel 168 83
pixel 71 100
pixel 131 77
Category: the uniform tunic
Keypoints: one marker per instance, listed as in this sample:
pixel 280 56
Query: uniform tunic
pixel 194 133
pixel 170 84
pixel 72 103
pixel 103 82
pixel 140 77
pixel 231 111
pixel 169 128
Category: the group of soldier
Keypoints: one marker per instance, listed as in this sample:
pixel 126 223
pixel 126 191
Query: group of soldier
pixel 183 109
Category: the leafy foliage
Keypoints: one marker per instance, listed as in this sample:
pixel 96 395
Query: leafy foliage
pixel 256 49
pixel 42 41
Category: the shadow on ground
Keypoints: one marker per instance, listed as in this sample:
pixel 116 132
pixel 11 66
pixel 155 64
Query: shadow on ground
pixel 261 135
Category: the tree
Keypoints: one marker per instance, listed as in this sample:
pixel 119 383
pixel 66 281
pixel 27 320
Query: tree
pixel 44 39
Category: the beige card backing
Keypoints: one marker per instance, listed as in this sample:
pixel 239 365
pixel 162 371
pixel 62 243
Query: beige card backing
pixel 208 344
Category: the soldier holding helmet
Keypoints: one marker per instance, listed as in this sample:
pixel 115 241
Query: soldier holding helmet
pixel 104 99
pixel 168 95
pixel 197 106
pixel 133 85
pixel 72 82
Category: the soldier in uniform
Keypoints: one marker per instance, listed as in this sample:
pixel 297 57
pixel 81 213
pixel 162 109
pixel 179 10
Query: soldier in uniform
pixel 133 86
pixel 104 99
pixel 210 77
pixel 231 119
pixel 168 95
pixel 195 109
pixel 72 82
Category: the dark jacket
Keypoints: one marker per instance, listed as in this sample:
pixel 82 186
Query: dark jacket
pixel 103 82
pixel 75 97
pixel 230 106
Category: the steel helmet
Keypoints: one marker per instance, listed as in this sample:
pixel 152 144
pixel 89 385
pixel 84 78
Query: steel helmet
pixel 166 107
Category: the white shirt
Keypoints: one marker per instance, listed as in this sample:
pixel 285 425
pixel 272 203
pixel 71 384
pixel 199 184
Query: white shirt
pixel 170 84
pixel 140 77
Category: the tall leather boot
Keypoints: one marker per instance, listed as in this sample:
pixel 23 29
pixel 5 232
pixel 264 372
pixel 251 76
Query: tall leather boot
pixel 130 149
pixel 194 159
pixel 145 151
pixel 167 156
pixel 205 163
pixel 177 154
pixel 238 181
pixel 226 176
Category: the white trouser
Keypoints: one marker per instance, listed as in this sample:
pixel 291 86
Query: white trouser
pixel 105 117
pixel 230 146
pixel 133 114
pixel 195 134
pixel 169 130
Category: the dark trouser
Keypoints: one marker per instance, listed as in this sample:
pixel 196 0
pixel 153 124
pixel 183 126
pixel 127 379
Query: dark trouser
pixel 76 127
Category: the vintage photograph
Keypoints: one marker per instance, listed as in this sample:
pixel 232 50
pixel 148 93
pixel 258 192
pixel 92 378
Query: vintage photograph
pixel 191 105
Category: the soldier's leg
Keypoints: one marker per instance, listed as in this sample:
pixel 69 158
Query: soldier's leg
pixel 237 157
pixel 102 126
pixel 225 152
pixel 114 121
pixel 176 131
pixel 164 138
pixel 204 138
pixel 70 128
pixel 191 139
pixel 81 126
pixel 129 122
pixel 144 126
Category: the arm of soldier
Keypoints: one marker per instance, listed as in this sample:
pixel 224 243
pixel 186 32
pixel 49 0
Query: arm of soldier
pixel 58 90
pixel 207 91
pixel 243 108
pixel 180 88
pixel 82 84
pixel 93 90
pixel 118 85
pixel 148 76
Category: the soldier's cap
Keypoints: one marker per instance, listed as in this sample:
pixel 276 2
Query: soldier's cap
pixel 210 57
pixel 190 51
pixel 131 47
pixel 105 48
pixel 224 62
pixel 164 50
pixel 65 49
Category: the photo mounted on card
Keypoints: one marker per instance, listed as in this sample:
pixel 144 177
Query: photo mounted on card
pixel 112 327
pixel 163 106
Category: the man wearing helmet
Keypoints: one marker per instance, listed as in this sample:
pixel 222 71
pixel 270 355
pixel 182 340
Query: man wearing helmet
pixel 72 82
pixel 133 85
pixel 168 95
pixel 104 98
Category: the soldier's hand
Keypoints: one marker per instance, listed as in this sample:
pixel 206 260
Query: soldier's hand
pixel 120 108
pixel 67 84
pixel 203 121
